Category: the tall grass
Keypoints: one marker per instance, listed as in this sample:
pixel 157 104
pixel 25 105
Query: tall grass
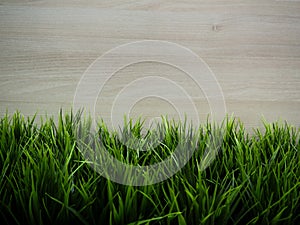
pixel 44 178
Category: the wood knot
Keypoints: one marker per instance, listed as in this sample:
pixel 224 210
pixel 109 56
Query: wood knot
pixel 216 27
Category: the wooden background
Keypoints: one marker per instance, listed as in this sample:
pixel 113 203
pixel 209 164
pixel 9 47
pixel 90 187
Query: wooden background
pixel 252 47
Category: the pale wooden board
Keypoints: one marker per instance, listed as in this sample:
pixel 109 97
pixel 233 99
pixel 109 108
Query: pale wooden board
pixel 252 47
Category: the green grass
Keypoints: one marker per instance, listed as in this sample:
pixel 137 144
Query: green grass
pixel 44 179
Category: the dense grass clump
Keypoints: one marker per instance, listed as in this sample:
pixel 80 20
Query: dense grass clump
pixel 44 178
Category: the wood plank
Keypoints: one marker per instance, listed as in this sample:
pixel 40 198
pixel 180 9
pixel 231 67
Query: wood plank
pixel 252 47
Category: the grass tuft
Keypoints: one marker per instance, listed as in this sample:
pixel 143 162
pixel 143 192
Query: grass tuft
pixel 44 178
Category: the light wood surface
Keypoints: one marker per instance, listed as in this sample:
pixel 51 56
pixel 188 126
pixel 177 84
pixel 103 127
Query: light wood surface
pixel 252 47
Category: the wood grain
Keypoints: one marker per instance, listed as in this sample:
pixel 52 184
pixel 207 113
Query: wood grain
pixel 252 47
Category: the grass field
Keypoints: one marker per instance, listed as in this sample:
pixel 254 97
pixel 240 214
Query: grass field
pixel 44 178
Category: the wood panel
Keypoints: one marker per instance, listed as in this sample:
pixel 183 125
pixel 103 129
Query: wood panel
pixel 252 47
